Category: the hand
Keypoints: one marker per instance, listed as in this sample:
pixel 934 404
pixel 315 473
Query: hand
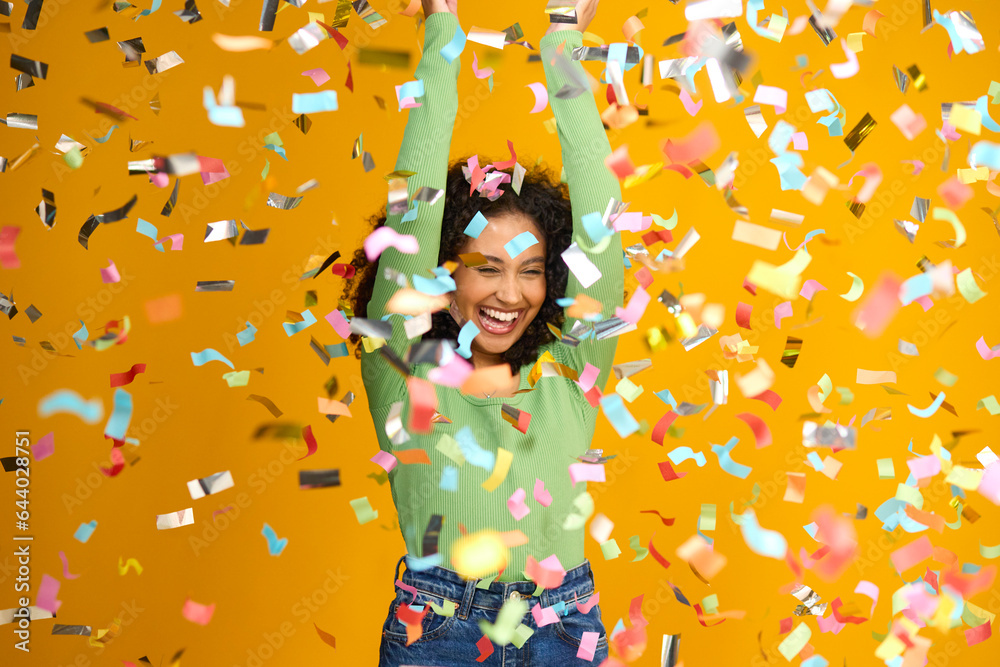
pixel 436 6
pixel 585 11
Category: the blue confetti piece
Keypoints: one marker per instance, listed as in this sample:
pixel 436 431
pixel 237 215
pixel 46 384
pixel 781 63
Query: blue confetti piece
pixel 106 136
pixel 614 409
pixel 763 542
pixel 454 48
pixel 476 225
pixel 121 415
pixel 292 328
pixel 985 154
pixel 820 661
pixel 274 545
pixel 434 286
pixel 411 214
pixel 519 244
pixel 149 229
pixel 667 398
pixel 325 100
pixel 705 537
pixel 472 452
pixel 469 331
pixel 929 410
pixel 681 454
pixel 85 530
pixel 449 479
pixel 983 107
pixel 564 301
pixel 223 116
pixel 420 564
pixel 338 350
pixel 619 627
pixel 280 150
pixel 815 460
pixel 412 89
pixel 209 354
pixel 81 336
pixel 67 400
pixel 970 568
pixel 592 222
pixel 812 529
pixel 155 6
pixel 727 463
pixel 247 335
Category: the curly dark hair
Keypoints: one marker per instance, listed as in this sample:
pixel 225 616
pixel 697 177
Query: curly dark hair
pixel 543 198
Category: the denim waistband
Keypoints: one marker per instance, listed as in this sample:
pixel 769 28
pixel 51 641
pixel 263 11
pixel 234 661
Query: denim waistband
pixel 577 585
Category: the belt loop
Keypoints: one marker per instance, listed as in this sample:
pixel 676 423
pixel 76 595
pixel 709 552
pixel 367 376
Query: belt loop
pixel 400 562
pixel 466 606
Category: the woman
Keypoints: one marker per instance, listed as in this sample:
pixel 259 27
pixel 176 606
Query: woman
pixel 510 300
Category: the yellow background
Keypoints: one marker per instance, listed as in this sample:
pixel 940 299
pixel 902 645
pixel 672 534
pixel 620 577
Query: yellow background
pixel 202 426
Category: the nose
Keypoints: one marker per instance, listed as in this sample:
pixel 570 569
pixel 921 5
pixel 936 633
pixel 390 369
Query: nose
pixel 509 291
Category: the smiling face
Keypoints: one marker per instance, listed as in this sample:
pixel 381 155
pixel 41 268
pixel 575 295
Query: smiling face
pixel 502 296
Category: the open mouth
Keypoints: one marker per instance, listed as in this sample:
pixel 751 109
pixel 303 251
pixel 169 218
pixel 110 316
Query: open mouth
pixel 497 321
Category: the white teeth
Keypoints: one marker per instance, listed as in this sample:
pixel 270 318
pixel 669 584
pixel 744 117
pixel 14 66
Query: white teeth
pixel 497 315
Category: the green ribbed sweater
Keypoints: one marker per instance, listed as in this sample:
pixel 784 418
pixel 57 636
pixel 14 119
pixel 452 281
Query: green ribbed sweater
pixel 562 421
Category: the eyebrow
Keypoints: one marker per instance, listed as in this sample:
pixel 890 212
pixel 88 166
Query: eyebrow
pixel 537 259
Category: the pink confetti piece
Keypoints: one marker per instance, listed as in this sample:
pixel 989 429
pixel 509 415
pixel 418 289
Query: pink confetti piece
pixel 879 307
pixel 689 104
pixel 925 302
pixel 985 351
pixel 868 589
pixel 586 472
pixel 588 644
pixel 339 323
pixel 547 574
pixel 47 592
pixel 65 562
pixel 45 446
pixel 176 241
pixel 636 306
pixel 318 75
pixel 830 624
pixel 772 95
pixel 516 505
pixel 588 377
pixel 544 615
pixel 918 166
pixel 809 289
pixel 800 141
pixel 906 557
pixel 589 604
pixel 541 96
pixel 910 123
pixel 480 73
pixel 542 497
pixel 387 237
pixel 698 144
pixel 198 613
pixel 924 466
pixel 781 311
pixel 848 69
pixel 160 179
pixel 110 274
pixel 385 460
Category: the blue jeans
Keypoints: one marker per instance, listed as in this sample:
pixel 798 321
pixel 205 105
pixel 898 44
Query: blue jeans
pixel 450 641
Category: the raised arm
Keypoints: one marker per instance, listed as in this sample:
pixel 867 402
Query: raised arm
pixel 426 142
pixel 591 185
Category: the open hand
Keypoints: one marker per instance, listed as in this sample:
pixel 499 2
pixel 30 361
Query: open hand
pixel 585 11
pixel 436 6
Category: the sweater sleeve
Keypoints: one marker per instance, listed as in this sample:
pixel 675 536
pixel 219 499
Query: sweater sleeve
pixel 425 147
pixel 591 186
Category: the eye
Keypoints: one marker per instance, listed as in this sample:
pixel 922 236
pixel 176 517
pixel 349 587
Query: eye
pixel 534 272
pixel 488 270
